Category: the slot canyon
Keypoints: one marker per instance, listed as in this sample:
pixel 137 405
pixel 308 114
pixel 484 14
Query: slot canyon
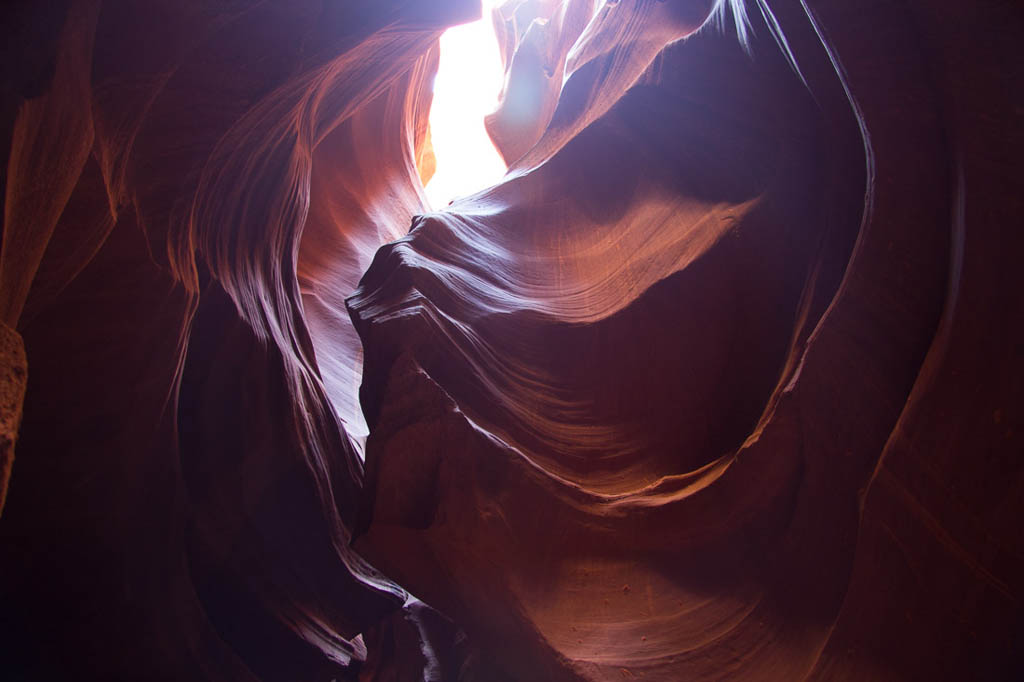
pixel 723 380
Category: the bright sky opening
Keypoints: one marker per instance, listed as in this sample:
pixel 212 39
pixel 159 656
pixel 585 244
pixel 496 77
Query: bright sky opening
pixel 466 89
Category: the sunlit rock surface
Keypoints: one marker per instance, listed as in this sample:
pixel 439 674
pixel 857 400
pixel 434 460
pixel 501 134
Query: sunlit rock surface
pixel 723 381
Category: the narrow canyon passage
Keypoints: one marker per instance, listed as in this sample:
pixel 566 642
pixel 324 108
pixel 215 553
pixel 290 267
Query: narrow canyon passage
pixel 702 364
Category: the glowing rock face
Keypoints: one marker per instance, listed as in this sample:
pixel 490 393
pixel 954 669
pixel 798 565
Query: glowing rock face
pixel 722 380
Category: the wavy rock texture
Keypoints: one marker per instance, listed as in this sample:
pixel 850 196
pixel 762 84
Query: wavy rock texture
pixel 723 381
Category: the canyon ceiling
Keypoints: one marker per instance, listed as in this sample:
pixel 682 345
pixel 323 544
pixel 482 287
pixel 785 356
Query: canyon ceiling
pixel 724 380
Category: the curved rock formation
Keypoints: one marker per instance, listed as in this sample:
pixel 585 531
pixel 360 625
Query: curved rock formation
pixel 723 381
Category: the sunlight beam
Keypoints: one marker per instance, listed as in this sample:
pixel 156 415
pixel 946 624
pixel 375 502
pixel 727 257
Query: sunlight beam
pixel 466 89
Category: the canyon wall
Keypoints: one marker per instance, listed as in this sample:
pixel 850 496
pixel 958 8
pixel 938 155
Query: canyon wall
pixel 723 381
